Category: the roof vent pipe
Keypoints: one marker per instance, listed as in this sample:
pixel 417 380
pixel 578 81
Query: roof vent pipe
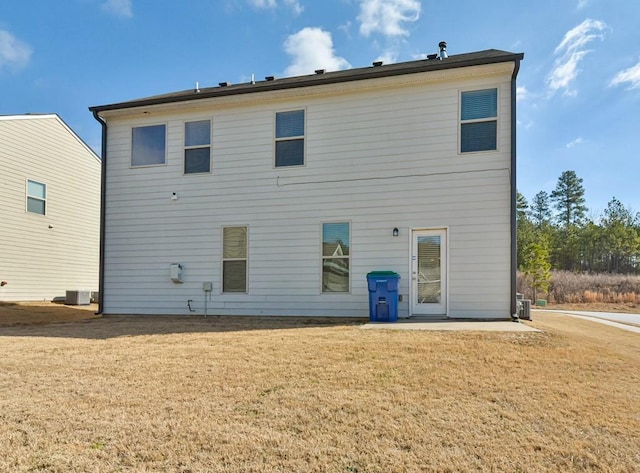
pixel 443 50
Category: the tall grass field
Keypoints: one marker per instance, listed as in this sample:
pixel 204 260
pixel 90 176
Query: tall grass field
pixel 568 288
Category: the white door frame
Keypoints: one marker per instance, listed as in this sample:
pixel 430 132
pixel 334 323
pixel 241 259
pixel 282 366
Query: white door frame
pixel 435 310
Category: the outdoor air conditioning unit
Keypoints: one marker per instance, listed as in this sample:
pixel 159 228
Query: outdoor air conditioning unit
pixel 78 298
pixel 524 309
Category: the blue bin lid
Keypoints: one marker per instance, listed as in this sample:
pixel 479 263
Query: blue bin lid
pixel 383 274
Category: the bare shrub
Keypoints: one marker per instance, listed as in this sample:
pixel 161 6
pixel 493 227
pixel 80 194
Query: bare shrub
pixel 523 285
pixel 568 287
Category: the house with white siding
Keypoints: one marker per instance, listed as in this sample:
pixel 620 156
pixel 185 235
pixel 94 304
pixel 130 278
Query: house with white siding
pixel 49 209
pixel 279 196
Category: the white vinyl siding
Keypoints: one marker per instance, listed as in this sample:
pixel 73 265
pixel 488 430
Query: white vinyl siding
pixel 43 256
pixel 378 158
pixel 36 197
pixel 479 120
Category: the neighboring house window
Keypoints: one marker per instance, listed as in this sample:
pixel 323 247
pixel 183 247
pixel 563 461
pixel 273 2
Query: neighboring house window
pixel 36 197
pixel 335 257
pixel 148 145
pixel 479 120
pixel 197 147
pixel 290 138
pixel 234 259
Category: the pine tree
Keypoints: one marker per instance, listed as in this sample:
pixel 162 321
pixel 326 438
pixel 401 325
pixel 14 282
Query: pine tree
pixel 540 209
pixel 622 240
pixel 568 198
pixel 536 266
pixel 521 205
pixel 526 233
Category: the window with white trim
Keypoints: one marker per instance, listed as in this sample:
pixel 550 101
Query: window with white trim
pixel 336 257
pixel 290 138
pixel 148 145
pixel 197 147
pixel 479 120
pixel 234 259
pixel 36 197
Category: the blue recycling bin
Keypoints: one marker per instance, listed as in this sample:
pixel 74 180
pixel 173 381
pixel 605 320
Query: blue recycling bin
pixel 383 296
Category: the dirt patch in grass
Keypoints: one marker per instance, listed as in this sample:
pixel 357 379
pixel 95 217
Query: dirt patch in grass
pixel 186 394
pixel 38 313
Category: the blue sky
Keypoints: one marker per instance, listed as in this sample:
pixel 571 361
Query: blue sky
pixel 579 85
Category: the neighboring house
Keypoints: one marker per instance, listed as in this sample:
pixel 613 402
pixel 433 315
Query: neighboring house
pixel 284 193
pixel 49 209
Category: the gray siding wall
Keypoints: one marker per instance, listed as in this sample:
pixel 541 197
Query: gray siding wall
pixel 383 157
pixel 39 262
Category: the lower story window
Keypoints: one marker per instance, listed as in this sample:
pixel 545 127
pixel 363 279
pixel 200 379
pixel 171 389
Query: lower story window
pixel 234 259
pixel 335 257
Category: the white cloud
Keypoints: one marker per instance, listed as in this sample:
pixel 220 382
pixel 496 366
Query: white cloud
pixel 346 27
pixel 13 52
pixel 521 93
pixel 387 16
pixel 576 142
pixel 311 49
pixel 264 3
pixel 388 57
pixel 570 52
pixel 295 5
pixel 578 37
pixel 527 126
pixel 122 8
pixel 582 4
pixel 630 76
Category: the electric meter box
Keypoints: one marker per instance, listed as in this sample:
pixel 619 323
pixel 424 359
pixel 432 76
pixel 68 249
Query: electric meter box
pixel 176 272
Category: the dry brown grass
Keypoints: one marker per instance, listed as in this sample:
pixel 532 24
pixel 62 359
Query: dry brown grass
pixel 248 395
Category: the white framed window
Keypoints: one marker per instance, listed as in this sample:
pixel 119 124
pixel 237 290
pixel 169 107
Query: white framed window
pixel 479 120
pixel 336 257
pixel 36 197
pixel 148 145
pixel 197 147
pixel 290 138
pixel 234 259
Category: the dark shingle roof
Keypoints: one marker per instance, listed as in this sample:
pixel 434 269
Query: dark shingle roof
pixel 489 56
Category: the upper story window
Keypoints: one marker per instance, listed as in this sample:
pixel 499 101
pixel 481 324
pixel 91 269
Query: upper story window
pixel 197 147
pixel 148 145
pixel 36 197
pixel 290 138
pixel 479 120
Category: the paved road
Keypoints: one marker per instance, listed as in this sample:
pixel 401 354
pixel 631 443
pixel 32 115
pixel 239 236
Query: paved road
pixel 608 318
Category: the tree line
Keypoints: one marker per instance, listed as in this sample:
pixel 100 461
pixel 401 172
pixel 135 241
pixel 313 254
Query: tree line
pixel 555 233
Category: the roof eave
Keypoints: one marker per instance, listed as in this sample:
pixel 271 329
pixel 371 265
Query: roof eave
pixel 314 80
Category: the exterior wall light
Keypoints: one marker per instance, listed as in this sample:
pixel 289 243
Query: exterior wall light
pixel 395 232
